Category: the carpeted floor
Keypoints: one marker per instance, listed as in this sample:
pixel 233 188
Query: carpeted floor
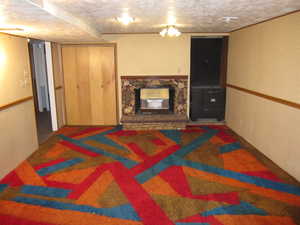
pixel 106 176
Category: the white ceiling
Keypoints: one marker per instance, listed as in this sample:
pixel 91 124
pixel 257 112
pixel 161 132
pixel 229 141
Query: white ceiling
pixel 86 20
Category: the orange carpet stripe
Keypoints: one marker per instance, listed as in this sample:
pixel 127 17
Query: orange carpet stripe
pixel 55 151
pixel 67 130
pixel 91 133
pixel 92 194
pixel 168 141
pixel 241 160
pixel 157 185
pixel 28 175
pixel 73 176
pixel 281 196
pixel 254 220
pixel 59 217
pixel 216 140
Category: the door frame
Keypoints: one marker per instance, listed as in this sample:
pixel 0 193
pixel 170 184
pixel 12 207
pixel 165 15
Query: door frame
pixel 114 45
pixel 51 85
pixel 50 80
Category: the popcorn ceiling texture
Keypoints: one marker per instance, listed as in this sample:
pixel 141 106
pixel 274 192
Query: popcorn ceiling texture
pixel 151 16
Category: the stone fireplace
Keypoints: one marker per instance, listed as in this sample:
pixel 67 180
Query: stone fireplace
pixel 154 102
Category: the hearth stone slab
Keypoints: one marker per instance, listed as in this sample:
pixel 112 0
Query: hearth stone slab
pixel 154 122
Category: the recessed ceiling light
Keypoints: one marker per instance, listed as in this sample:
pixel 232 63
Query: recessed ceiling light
pixel 125 19
pixel 228 19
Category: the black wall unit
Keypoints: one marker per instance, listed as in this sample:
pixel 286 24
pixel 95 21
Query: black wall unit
pixel 208 76
pixel 205 61
pixel 207 102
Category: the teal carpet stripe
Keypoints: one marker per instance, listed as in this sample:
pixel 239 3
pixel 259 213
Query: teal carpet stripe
pixel 127 162
pixel 239 176
pixel 244 208
pixel 3 187
pixel 122 212
pixel 171 159
pixel 230 147
pixel 102 139
pixel 45 191
pixel 59 166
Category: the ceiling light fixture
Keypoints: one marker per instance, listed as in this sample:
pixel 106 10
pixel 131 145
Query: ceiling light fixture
pixel 125 19
pixel 170 31
pixel 228 19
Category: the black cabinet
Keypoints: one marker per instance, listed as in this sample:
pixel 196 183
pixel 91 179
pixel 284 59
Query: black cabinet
pixel 207 102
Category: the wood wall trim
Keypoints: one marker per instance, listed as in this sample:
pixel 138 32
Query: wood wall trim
pixel 58 87
pixel 273 18
pixel 152 77
pixel 271 98
pixel 14 103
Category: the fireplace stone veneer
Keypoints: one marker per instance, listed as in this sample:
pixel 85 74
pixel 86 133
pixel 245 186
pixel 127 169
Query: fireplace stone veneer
pixel 128 86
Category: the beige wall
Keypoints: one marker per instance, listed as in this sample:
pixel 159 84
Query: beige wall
pixel 17 124
pixel 58 84
pixel 151 54
pixel 265 58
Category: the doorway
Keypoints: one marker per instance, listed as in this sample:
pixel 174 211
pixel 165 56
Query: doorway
pixel 40 88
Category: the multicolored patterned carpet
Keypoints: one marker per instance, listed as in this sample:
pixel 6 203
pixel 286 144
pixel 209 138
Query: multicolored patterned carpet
pixel 107 176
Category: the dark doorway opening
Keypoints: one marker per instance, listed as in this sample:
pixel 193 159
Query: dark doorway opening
pixel 208 77
pixel 40 89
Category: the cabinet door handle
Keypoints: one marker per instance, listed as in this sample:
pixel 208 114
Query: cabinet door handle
pixel 212 100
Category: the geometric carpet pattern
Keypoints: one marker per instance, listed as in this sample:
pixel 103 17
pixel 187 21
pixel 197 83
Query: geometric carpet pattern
pixel 108 176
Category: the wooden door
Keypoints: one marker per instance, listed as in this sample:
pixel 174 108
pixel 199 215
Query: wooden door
pixel 90 84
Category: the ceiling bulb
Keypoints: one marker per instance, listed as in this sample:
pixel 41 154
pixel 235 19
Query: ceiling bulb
pixel 170 31
pixel 125 19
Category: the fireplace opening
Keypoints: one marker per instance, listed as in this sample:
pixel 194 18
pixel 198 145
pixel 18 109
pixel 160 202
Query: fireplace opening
pixel 154 100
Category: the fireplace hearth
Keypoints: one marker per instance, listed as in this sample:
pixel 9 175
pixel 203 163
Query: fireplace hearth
pixel 154 102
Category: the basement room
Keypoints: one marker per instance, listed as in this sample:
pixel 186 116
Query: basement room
pixel 149 112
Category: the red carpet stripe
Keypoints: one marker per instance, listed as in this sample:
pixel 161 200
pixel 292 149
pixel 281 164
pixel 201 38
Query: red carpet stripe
pixel 137 150
pixel 146 208
pixel 10 220
pixel 79 149
pixel 50 163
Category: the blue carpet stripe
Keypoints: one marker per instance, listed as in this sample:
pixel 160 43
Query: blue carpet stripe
pixel 230 147
pixel 244 208
pixel 171 159
pixel 102 139
pixel 173 135
pixel 195 144
pixel 107 141
pixel 59 166
pixel 122 212
pixel 241 177
pixel 3 187
pixel 127 162
pixel 45 191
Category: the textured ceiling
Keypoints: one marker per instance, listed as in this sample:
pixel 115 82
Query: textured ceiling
pixel 85 20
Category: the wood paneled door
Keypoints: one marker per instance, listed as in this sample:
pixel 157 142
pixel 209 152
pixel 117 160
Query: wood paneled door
pixel 90 84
